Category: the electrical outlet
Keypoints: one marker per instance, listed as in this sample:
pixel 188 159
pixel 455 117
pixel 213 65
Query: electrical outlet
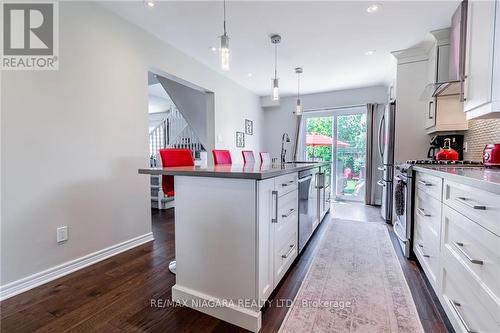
pixel 62 234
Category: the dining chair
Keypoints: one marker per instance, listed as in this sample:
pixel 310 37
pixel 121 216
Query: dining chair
pixel 173 158
pixel 248 156
pixel 222 156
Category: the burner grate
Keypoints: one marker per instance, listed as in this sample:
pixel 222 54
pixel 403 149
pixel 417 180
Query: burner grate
pixel 433 162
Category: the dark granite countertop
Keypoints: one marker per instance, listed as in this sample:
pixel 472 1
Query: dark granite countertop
pixel 255 171
pixel 487 179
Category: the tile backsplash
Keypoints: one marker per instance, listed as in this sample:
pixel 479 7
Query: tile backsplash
pixel 481 132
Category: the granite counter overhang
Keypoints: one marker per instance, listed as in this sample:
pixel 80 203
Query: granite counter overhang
pixel 255 171
pixel 487 179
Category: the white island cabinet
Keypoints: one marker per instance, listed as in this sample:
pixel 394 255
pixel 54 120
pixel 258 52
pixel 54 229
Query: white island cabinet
pixel 457 242
pixel 236 235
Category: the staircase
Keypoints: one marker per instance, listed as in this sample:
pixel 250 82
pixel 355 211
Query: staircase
pixel 171 132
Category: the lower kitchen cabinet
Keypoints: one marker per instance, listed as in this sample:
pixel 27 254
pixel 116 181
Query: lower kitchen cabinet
pixel 277 230
pixel 457 243
pixel 427 230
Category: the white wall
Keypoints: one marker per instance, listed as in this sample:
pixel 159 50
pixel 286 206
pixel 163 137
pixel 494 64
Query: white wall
pixel 281 119
pixel 73 139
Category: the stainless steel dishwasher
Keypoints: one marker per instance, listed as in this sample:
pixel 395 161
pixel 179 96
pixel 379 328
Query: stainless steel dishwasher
pixel 308 205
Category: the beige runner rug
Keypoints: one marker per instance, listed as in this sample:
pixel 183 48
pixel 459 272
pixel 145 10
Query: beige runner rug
pixel 354 284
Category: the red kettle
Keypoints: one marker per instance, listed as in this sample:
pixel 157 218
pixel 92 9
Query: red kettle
pixel 447 153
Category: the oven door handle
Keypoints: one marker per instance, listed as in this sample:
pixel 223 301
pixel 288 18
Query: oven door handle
pixel 401 238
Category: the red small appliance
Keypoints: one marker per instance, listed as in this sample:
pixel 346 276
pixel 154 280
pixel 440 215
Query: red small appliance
pixel 491 155
pixel 447 153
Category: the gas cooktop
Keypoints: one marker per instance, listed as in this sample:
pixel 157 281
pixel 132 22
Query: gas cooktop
pixel 433 162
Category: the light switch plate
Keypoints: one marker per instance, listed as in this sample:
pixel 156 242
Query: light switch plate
pixel 62 234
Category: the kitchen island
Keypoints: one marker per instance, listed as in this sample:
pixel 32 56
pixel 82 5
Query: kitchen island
pixel 236 235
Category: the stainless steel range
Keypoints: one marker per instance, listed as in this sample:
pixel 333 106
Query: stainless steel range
pixel 403 197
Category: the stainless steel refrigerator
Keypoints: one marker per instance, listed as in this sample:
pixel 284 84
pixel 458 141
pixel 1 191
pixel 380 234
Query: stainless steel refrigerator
pixel 386 151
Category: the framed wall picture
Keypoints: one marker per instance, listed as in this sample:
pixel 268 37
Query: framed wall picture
pixel 248 127
pixel 240 140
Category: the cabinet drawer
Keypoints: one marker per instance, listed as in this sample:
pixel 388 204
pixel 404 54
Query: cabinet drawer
pixel 286 183
pixel 478 205
pixel 428 215
pixel 429 184
pixel 287 222
pixel 468 307
pixel 427 253
pixel 477 248
pixel 284 257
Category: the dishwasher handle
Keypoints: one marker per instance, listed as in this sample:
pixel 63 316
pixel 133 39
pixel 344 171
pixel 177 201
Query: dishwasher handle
pixel 301 180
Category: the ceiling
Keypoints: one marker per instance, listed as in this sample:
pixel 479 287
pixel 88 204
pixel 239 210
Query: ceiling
pixel 329 39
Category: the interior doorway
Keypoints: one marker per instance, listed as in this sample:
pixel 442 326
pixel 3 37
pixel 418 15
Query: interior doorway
pixel 339 136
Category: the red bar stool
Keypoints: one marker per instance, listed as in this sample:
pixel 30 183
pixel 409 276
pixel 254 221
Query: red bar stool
pixel 248 156
pixel 222 156
pixel 265 157
pixel 173 158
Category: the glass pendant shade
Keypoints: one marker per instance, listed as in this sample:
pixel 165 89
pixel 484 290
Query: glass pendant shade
pixel 299 109
pixel 276 91
pixel 224 52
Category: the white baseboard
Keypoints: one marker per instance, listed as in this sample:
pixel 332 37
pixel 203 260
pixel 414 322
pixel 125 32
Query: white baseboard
pixel 37 279
pixel 242 317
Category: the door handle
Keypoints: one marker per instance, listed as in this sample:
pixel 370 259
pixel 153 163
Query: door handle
pixel 460 248
pixel 381 168
pixel 466 202
pixel 401 238
pixel 275 218
pixel 380 151
pixel 422 212
pixel 429 115
pixel 290 212
pixel 284 256
pixel 288 183
pixel 380 183
pixel 455 305
pixel 463 88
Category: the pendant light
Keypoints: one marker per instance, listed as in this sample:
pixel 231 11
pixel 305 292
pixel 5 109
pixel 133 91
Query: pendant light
pixel 224 46
pixel 275 95
pixel 298 108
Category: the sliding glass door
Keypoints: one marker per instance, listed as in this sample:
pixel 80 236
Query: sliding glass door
pixel 339 136
pixel 350 156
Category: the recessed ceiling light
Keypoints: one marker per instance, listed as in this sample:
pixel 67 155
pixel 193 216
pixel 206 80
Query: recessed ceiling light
pixel 249 74
pixel 371 52
pixel 373 8
pixel 149 3
pixel 213 49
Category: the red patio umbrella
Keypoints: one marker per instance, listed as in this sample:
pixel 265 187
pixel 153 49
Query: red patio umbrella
pixel 318 140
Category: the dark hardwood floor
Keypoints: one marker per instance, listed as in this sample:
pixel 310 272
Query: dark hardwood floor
pixel 115 295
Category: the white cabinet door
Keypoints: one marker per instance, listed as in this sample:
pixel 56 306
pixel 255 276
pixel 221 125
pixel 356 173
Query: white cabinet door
pixel 479 54
pixel 267 211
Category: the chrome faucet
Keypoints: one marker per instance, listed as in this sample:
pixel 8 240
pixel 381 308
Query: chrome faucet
pixel 284 138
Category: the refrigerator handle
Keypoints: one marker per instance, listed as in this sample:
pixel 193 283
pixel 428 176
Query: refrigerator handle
pixel 380 151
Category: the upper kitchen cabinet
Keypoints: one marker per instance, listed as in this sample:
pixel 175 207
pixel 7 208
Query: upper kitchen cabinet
pixel 482 60
pixel 443 110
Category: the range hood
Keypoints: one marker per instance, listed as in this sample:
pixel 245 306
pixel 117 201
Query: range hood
pixel 447 88
pixel 453 83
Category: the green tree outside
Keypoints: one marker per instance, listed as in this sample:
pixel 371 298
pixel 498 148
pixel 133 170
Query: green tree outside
pixel 351 129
